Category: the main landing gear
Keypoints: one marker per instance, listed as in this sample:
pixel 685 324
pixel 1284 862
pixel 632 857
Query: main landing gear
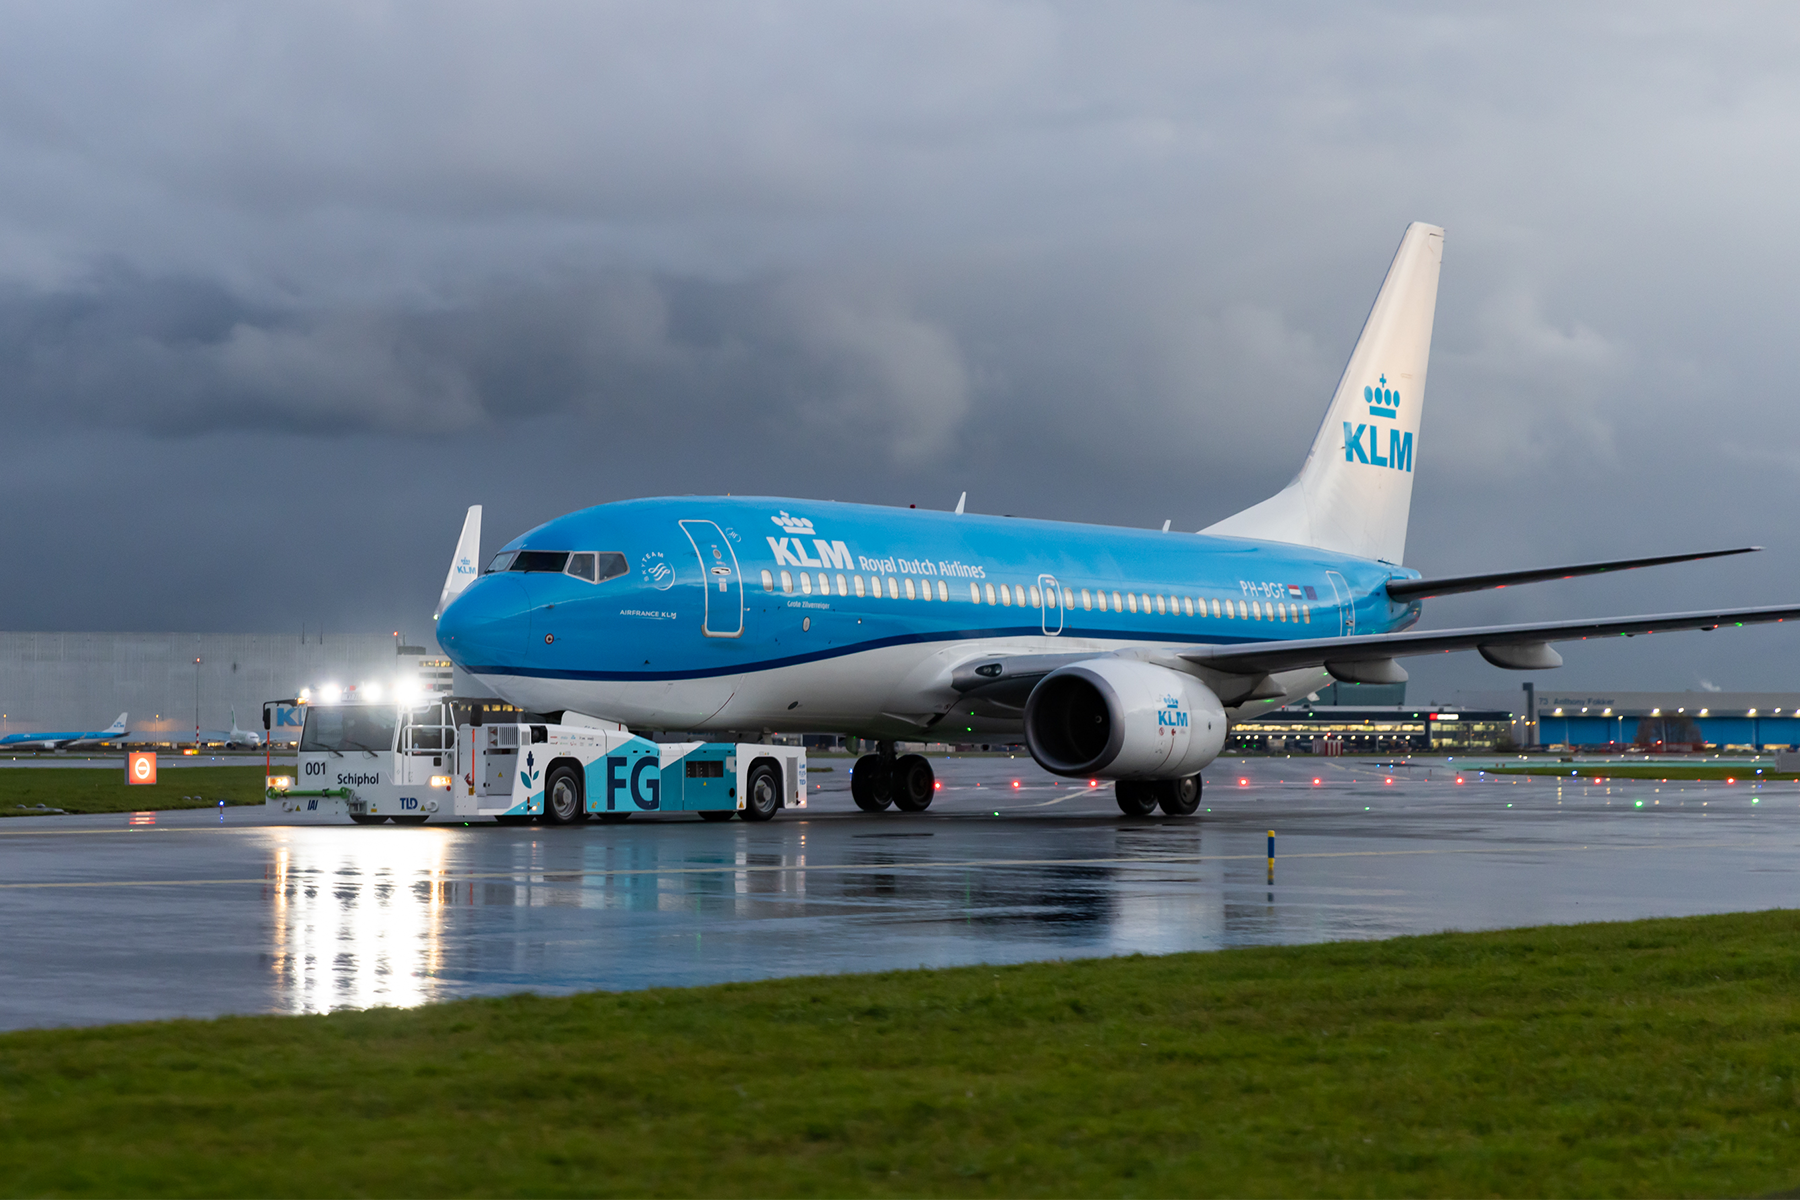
pixel 880 779
pixel 1141 797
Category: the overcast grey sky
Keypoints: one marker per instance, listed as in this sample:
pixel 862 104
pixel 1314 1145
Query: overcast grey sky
pixel 285 287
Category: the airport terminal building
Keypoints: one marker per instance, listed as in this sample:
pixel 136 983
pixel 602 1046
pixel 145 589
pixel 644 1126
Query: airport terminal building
pixel 169 682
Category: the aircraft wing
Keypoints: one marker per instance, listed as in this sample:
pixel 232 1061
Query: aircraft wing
pixel 1504 645
pixel 1450 585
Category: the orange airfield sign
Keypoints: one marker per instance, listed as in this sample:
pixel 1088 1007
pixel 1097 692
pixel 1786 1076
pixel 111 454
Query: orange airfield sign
pixel 140 766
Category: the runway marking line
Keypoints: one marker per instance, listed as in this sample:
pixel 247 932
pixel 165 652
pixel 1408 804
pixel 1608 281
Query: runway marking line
pixel 555 876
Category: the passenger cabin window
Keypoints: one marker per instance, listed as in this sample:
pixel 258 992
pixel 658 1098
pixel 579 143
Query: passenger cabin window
pixel 943 590
pixel 843 586
pixel 990 593
pixel 893 588
pixel 1005 596
pixel 1087 600
pixel 787 583
pixel 1187 606
pixel 909 590
pixel 1037 598
pixel 805 584
pixel 1019 594
pixel 859 584
pixel 974 593
pixel 768 581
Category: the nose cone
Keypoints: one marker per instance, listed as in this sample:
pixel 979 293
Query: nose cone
pixel 489 625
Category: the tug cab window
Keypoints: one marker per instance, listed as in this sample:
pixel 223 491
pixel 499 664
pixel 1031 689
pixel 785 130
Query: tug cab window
pixel 347 727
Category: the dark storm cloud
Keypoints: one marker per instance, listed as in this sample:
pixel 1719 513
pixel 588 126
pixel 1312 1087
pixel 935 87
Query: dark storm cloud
pixel 362 264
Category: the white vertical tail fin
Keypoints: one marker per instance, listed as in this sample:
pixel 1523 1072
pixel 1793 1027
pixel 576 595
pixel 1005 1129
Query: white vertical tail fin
pixel 466 565
pixel 118 726
pixel 1354 493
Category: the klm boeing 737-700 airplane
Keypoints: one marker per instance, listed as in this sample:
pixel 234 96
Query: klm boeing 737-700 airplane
pixel 1116 654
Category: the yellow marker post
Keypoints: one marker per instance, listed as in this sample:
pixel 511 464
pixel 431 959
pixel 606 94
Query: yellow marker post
pixel 1271 856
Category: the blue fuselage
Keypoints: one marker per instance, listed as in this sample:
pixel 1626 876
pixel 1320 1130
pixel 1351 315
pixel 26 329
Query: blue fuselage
pixel 748 612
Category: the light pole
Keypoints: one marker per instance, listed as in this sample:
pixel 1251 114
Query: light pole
pixel 196 704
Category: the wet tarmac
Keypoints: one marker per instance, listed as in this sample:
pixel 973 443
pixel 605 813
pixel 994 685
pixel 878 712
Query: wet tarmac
pixel 203 913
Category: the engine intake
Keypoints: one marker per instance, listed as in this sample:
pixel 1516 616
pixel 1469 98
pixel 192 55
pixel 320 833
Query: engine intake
pixel 1123 719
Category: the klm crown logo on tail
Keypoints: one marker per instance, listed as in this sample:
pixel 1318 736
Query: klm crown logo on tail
pixel 1383 401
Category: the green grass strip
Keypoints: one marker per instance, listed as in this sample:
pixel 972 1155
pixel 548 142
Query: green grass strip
pixel 103 789
pixel 1651 1058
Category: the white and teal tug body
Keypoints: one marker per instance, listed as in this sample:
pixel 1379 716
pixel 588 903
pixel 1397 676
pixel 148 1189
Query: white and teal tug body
pixel 465 759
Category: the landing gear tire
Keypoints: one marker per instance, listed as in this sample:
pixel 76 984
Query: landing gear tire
pixel 913 784
pixel 717 814
pixel 409 820
pixel 869 787
pixel 1179 797
pixel 762 792
pixel 1136 798
pixel 367 819
pixel 514 819
pixel 562 797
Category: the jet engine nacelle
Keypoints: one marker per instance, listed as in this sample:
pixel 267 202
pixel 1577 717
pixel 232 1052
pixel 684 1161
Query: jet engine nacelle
pixel 1120 718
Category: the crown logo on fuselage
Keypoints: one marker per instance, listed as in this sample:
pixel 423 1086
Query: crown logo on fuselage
pixel 793 524
pixel 1383 401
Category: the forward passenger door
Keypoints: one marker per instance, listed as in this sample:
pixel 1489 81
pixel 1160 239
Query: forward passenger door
pixel 720 581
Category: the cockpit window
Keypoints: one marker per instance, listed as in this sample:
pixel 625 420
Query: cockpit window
pixel 540 560
pixel 596 567
pixel 501 561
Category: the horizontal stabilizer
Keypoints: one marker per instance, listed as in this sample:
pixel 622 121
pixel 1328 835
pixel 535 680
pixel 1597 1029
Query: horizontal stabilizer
pixel 1418 589
pixel 1262 657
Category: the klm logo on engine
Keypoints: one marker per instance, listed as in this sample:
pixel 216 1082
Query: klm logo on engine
pixel 1170 716
pixel 1383 401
